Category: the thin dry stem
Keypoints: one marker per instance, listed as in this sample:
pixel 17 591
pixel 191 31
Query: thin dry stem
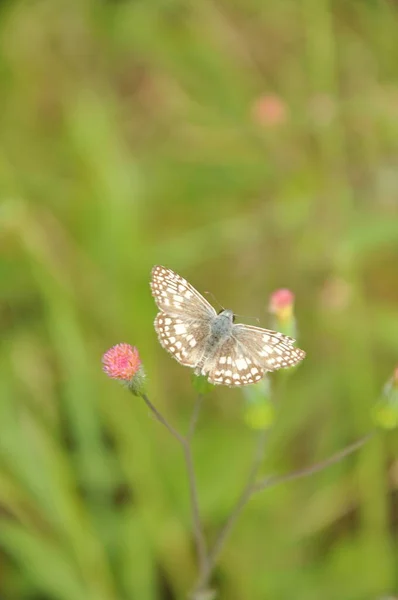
pixel 185 443
pixel 252 488
pixel 195 416
pixel 243 499
pixel 267 482
pixel 207 562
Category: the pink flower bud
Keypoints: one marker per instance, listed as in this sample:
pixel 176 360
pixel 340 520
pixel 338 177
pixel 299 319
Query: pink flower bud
pixel 269 110
pixel 121 362
pixel 281 304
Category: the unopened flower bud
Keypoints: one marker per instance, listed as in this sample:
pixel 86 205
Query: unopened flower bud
pixel 259 411
pixel 201 384
pixel 281 306
pixel 385 413
pixel 269 110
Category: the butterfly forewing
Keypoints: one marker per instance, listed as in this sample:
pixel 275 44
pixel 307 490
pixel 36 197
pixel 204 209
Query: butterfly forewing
pixel 174 295
pixel 272 337
pixel 271 349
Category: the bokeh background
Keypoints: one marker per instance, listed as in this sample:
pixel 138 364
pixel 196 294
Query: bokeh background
pixel 249 145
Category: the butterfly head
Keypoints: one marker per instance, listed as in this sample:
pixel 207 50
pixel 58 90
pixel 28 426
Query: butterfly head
pixel 221 327
pixel 227 314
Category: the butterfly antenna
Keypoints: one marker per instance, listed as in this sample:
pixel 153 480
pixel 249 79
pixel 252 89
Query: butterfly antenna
pixel 215 299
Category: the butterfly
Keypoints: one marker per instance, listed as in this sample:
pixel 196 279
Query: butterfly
pixel 228 353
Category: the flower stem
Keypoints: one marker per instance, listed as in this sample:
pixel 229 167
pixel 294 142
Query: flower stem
pixel 194 418
pixel 185 443
pixel 268 482
pixel 162 420
pixel 252 488
pixel 243 499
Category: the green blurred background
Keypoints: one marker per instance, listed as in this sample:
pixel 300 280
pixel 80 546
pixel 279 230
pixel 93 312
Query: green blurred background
pixel 248 145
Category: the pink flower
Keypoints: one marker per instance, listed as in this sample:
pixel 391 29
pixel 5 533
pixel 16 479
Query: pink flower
pixel 269 110
pixel 281 306
pixel 281 303
pixel 121 362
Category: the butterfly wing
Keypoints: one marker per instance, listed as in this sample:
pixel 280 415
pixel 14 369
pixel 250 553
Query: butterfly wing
pixel 248 354
pixel 184 323
pixel 184 338
pixel 272 349
pixel 174 295
pixel 232 365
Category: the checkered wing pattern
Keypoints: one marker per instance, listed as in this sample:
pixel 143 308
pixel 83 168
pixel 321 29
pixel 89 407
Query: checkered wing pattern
pixel 185 339
pixel 184 321
pixel 272 349
pixel 232 366
pixel 248 354
pixel 174 295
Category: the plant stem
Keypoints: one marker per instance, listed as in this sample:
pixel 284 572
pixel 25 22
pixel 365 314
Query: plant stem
pixel 268 482
pixel 236 511
pixel 162 420
pixel 252 488
pixel 185 443
pixel 194 418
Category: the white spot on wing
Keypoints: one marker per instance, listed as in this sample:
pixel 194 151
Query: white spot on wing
pixel 241 364
pixel 180 329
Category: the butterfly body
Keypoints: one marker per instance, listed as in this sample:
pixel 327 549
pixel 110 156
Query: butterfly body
pixel 222 325
pixel 212 344
pixel 221 328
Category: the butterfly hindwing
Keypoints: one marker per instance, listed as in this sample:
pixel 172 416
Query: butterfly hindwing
pixel 233 366
pixel 184 338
